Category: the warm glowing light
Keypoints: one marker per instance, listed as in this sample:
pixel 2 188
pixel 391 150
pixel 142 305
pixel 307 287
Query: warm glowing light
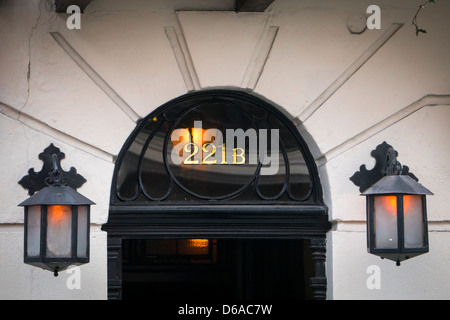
pixel 412 203
pixel 193 247
pixel 192 135
pixel 58 213
pixel 193 144
pixel 389 204
pixel 197 136
pixel 183 139
pixel 199 243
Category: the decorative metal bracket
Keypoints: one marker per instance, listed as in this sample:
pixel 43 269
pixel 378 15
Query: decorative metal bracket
pixel 51 173
pixel 386 164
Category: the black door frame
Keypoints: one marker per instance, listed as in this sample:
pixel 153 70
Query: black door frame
pixel 220 220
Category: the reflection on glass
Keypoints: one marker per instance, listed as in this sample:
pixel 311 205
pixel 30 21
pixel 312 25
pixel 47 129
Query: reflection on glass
pixel 127 177
pixel 271 186
pixel 82 232
pixel 59 231
pixel 154 177
pixel 208 166
pixel 299 179
pixel 385 214
pixel 214 149
pixel 413 216
pixel 33 231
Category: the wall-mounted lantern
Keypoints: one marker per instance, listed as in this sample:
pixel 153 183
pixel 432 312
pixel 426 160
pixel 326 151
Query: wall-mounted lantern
pixel 57 217
pixel 397 227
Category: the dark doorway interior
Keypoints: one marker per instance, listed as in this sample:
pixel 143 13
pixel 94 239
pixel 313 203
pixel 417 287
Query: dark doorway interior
pixel 207 269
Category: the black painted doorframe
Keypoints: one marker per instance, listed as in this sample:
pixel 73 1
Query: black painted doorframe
pixel 260 217
pixel 256 222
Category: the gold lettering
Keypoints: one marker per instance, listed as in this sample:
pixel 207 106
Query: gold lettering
pixel 209 151
pixel 241 155
pixel 213 152
pixel 193 150
pixel 224 160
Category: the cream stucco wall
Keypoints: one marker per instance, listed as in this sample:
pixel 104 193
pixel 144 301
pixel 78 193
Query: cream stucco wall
pixel 346 92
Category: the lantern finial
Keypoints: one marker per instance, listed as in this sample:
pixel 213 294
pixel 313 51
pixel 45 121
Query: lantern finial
pixel 385 164
pixel 55 177
pixel 392 167
pixel 51 157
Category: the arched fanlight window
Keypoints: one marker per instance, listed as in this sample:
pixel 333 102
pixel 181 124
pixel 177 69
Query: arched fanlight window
pixel 215 146
pixel 216 164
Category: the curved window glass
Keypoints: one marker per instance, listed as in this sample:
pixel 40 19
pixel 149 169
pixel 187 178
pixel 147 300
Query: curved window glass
pixel 215 146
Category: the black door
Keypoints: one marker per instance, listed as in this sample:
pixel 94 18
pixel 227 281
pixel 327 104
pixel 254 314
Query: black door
pixel 206 269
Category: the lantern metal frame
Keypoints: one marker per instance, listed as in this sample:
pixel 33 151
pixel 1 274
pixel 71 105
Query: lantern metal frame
pixel 57 187
pixel 390 178
pixel 401 252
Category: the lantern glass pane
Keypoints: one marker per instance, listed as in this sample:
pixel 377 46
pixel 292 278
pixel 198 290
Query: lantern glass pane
pixel 385 216
pixel 82 231
pixel 413 215
pixel 59 231
pixel 33 231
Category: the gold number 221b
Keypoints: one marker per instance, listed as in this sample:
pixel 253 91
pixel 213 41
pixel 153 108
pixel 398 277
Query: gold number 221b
pixel 209 150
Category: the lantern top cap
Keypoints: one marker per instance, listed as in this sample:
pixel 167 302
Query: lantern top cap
pixel 63 195
pixel 397 184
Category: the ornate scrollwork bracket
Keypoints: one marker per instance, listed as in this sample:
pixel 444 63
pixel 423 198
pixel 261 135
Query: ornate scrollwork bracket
pixel 386 164
pixel 51 173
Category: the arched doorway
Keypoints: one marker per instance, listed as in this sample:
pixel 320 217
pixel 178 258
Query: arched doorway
pixel 216 185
